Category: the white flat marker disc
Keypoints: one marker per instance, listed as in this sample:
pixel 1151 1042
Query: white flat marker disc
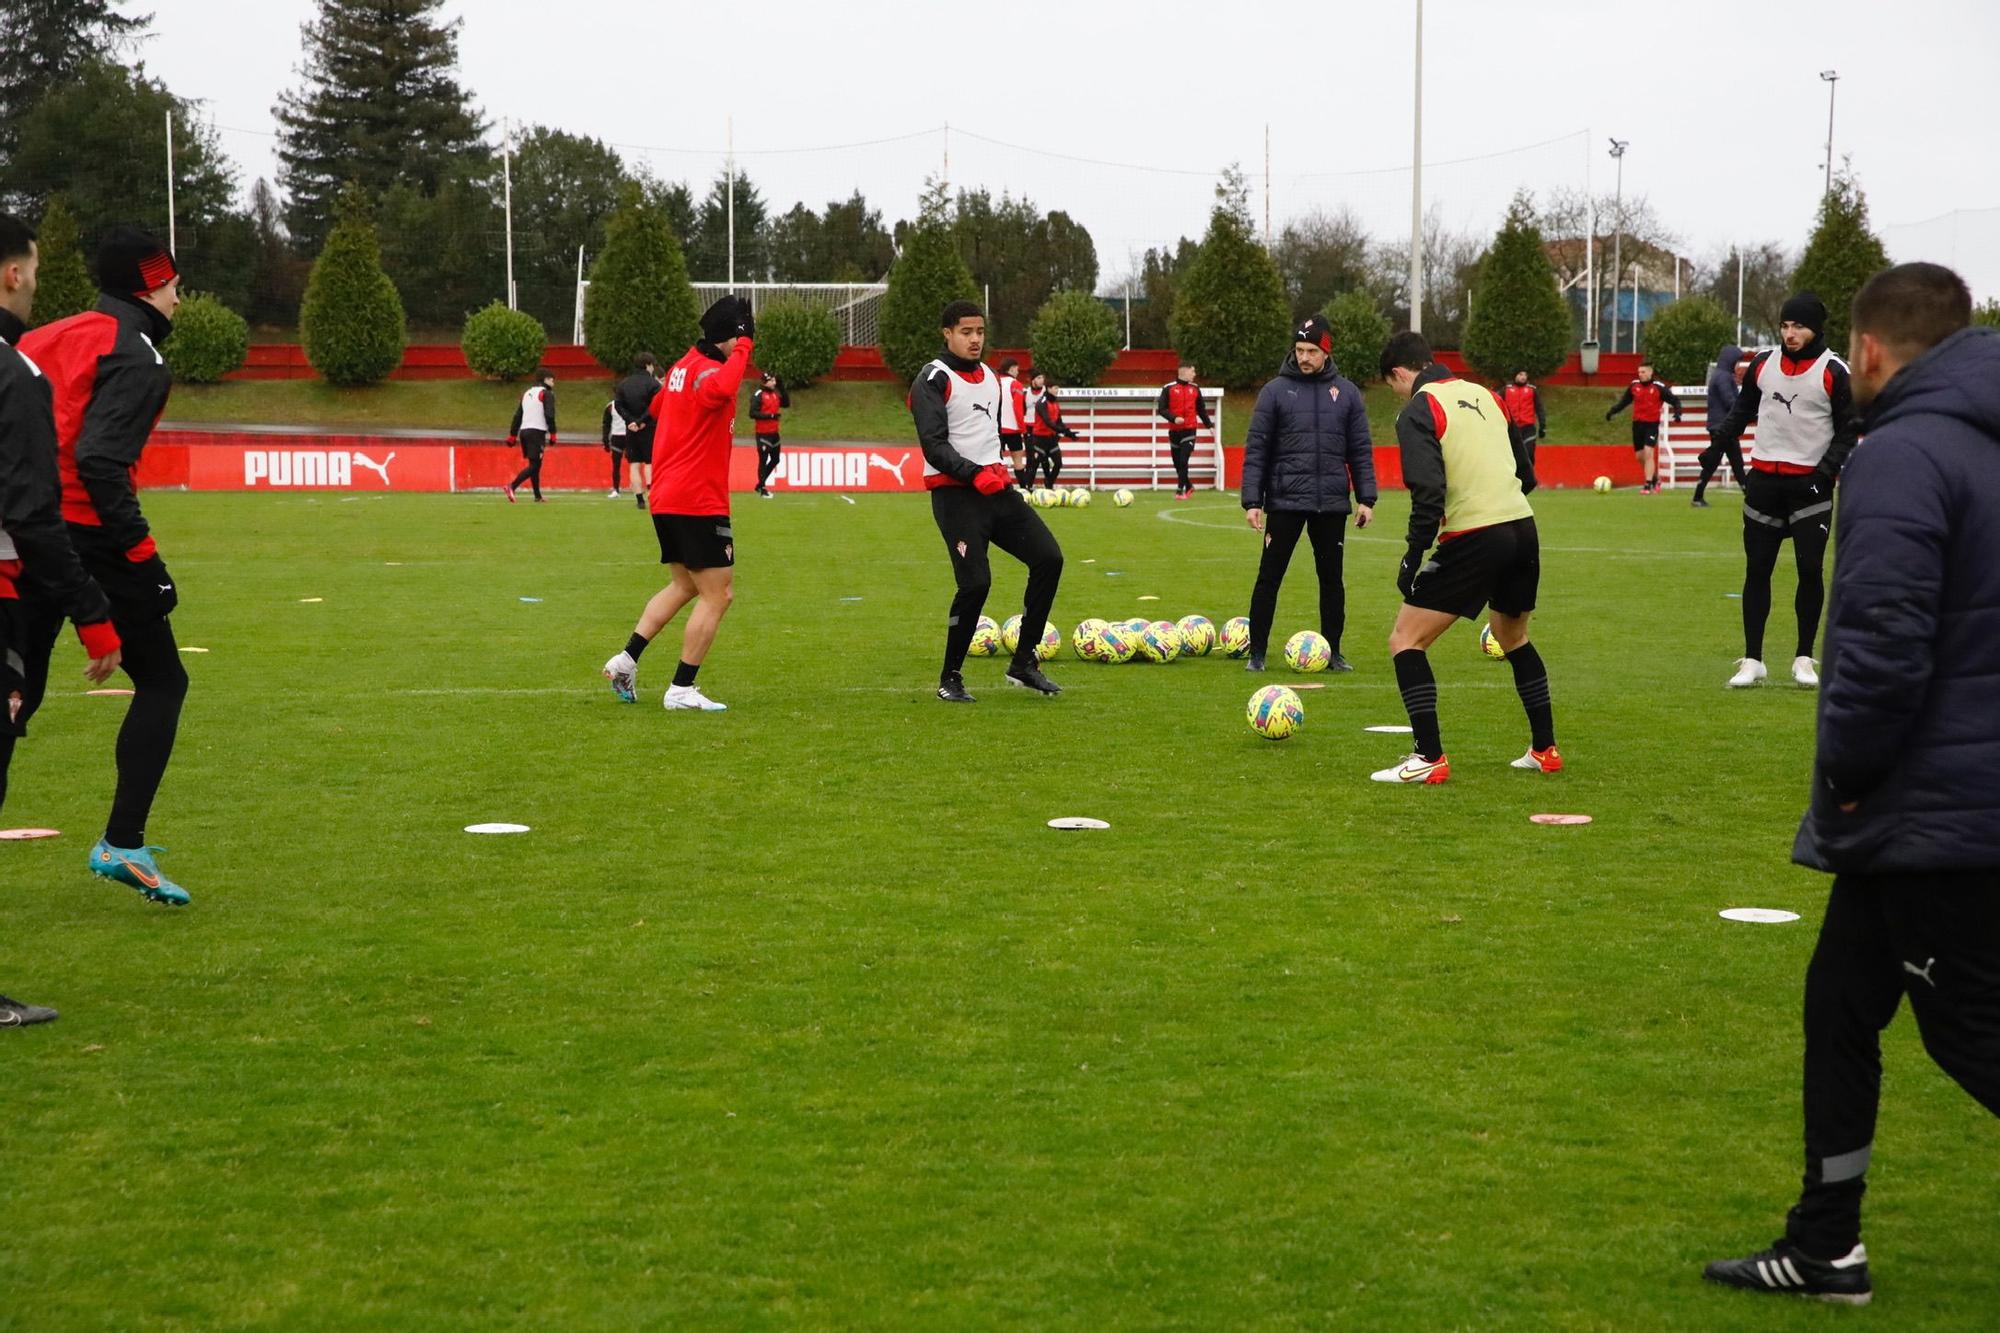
pixel 531 599
pixel 1766 916
pixel 1559 819
pixel 1076 822
pixel 25 834
pixel 496 828
pixel 1148 597
pixel 309 600
pixel 1389 731
pixel 194 650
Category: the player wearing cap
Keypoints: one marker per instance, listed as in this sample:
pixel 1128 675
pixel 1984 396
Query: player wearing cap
pixel 1185 411
pixel 1527 419
pixel 767 406
pixel 1648 397
pixel 1307 460
pixel 956 404
pixel 1802 402
pixel 696 414
pixel 1469 486
pixel 1046 431
pixel 109 385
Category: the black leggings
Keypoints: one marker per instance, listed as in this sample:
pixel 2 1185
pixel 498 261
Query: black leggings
pixel 1329 541
pixel 969 523
pixel 767 459
pixel 616 459
pixel 1180 443
pixel 531 445
pixel 152 661
pixel 1711 459
pixel 1776 507
pixel 1047 457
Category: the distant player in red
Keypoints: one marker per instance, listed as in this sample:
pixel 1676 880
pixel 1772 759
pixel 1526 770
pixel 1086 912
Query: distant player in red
pixel 1185 411
pixel 696 415
pixel 1647 397
pixel 110 385
pixel 1014 415
pixel 767 407
pixel 1527 420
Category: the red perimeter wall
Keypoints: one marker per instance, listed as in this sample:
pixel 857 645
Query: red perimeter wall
pixel 1140 366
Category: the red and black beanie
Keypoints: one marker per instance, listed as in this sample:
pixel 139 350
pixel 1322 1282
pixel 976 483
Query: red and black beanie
pixel 1315 331
pixel 132 262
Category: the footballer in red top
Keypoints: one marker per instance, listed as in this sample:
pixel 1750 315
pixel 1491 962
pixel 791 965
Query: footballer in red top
pixel 695 412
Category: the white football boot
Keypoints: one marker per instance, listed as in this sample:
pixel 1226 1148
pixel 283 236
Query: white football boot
pixel 686 698
pixel 1749 671
pixel 1416 769
pixel 623 673
pixel 1806 672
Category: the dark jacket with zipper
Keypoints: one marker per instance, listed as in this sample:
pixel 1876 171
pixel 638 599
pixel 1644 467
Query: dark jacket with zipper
pixel 1308 448
pixel 1909 700
pixel 31 487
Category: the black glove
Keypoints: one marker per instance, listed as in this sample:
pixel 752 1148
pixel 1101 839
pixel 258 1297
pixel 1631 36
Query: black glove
pixel 1406 573
pixel 153 587
pixel 746 321
pixel 1612 413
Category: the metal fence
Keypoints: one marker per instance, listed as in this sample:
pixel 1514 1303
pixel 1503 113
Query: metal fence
pixel 856 305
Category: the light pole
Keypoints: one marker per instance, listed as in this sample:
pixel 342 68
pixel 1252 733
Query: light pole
pixel 1831 77
pixel 1618 147
pixel 1417 188
pixel 507 186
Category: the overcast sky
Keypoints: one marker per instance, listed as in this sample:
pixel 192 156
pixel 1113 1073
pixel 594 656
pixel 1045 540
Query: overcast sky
pixel 1726 121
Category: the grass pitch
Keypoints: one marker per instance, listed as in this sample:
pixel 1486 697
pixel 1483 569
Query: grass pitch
pixel 799 1014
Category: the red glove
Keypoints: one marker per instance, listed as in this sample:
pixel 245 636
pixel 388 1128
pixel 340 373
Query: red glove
pixel 100 639
pixel 552 437
pixel 513 441
pixel 143 552
pixel 992 479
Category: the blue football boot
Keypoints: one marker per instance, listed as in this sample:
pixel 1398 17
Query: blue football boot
pixel 134 868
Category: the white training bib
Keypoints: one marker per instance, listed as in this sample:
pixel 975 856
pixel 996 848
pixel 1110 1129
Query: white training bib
pixel 972 415
pixel 1010 420
pixel 533 417
pixel 1795 417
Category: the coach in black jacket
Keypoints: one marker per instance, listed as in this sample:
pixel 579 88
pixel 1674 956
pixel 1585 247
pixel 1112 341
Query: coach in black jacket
pixel 633 400
pixel 1905 801
pixel 1307 452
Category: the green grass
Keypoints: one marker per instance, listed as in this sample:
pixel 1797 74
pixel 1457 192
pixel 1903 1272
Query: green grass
pixel 866 413
pixel 800 1015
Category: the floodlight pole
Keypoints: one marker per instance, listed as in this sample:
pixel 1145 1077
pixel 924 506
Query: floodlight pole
pixel 507 190
pixel 732 203
pixel 1417 186
pixel 1831 78
pixel 1267 185
pixel 1739 297
pixel 170 182
pixel 1618 147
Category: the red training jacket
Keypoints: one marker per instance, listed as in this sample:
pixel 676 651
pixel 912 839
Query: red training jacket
pixel 1518 401
pixel 696 412
pixel 767 403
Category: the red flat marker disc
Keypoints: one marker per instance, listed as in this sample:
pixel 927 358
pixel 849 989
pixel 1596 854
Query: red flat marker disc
pixel 1306 685
pixel 1559 819
pixel 109 694
pixel 24 834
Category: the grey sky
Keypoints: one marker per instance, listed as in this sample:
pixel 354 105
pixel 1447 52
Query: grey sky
pixel 1726 119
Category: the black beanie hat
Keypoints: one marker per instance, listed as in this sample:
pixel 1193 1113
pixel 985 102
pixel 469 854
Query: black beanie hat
pixel 719 322
pixel 131 262
pixel 1315 331
pixel 1806 309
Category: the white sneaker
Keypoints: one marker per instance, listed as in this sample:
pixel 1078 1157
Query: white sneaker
pixel 623 673
pixel 1749 671
pixel 1806 672
pixel 611 495
pixel 1415 768
pixel 688 698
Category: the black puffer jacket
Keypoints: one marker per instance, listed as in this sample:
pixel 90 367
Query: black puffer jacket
pixel 1909 705
pixel 1308 447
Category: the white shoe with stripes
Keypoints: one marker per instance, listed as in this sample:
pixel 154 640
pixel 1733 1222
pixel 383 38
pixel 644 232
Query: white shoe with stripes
pixel 1784 1269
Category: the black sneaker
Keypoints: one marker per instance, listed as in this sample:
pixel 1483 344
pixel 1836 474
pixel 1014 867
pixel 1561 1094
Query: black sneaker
pixel 14 1014
pixel 1698 503
pixel 1031 678
pixel 951 689
pixel 639 500
pixel 1339 663
pixel 1787 1270
pixel 1256 662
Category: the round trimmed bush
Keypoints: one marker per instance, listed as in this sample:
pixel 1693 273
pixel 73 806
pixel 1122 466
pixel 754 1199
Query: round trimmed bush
pixel 1683 339
pixel 209 340
pixel 1359 332
pixel 927 276
pixel 1073 338
pixel 796 342
pixel 503 344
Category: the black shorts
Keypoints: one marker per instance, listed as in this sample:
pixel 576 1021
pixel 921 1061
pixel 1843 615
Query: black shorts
pixel 699 542
pixel 140 592
pixel 1500 566
pixel 1777 501
pixel 768 441
pixel 1010 441
pixel 1645 435
pixel 638 446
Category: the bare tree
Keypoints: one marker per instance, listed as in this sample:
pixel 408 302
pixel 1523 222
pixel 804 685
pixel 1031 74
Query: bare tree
pixel 1451 261
pixel 1643 239
pixel 1321 255
pixel 1767 271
